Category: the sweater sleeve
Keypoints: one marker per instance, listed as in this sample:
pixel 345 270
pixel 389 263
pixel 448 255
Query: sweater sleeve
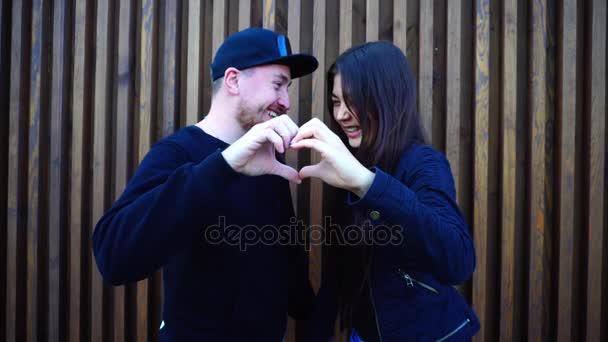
pixel 423 207
pixel 162 210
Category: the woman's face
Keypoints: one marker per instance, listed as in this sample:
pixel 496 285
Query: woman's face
pixel 349 122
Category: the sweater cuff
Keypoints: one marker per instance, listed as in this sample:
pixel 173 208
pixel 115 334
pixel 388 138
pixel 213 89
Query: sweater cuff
pixel 215 167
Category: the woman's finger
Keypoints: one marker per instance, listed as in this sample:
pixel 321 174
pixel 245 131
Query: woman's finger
pixel 311 171
pixel 313 128
pixel 312 143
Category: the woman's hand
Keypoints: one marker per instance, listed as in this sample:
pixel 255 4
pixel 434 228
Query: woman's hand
pixel 338 167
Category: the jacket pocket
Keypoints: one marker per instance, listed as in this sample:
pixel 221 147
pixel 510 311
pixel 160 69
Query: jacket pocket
pixel 410 282
pixel 453 332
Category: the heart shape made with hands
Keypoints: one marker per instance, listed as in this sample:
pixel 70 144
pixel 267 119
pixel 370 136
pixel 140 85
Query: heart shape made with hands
pixel 254 153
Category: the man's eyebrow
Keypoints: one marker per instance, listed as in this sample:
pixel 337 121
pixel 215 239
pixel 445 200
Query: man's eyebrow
pixel 283 78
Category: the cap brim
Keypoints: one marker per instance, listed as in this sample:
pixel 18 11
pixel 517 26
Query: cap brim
pixel 299 64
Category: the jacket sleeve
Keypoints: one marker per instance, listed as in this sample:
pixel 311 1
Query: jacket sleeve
pixel 162 210
pixel 422 207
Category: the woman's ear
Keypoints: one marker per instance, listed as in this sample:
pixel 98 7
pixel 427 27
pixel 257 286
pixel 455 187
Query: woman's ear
pixel 231 81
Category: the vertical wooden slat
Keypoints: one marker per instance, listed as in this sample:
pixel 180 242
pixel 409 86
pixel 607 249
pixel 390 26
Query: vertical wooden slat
pixel 596 99
pixel 206 55
pixel 4 124
pixel 123 92
pixel 438 80
pixel 425 75
pixel 457 113
pixel 34 233
pixel 244 14
pixel 568 172
pixel 454 91
pixel 269 18
pixel 373 21
pixel 57 213
pixel 346 24
pixel 101 130
pixel 318 111
pixel 400 24
pixel 192 64
pixel 412 23
pixel 168 81
pixel 510 294
pixel 293 32
pixel 482 279
pixel 219 26
pixel 77 170
pixel 540 174
pixel 145 112
pixel 352 28
pixel 294 20
pixel 15 257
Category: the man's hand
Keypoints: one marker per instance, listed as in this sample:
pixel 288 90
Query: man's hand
pixel 254 153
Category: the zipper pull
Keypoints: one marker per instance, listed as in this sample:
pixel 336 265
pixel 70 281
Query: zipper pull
pixel 408 279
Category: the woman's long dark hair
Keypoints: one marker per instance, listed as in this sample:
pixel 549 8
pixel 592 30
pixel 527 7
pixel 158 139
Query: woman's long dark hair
pixel 379 87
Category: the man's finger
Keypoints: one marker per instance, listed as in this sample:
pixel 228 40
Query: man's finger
pixel 291 125
pixel 272 136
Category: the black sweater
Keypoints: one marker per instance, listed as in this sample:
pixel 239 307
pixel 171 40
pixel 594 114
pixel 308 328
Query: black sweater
pixel 175 213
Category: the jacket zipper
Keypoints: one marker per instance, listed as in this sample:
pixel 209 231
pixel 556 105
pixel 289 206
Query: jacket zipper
pixel 454 331
pixel 371 298
pixel 409 281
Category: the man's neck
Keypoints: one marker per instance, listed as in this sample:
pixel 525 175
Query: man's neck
pixel 222 125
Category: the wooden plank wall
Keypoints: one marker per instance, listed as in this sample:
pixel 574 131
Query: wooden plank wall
pixel 513 92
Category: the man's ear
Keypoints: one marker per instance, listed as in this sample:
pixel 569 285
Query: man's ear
pixel 231 80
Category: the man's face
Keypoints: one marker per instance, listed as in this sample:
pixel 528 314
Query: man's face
pixel 263 93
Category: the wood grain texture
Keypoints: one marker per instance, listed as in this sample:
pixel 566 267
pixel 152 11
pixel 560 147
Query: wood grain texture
pixel 596 329
pixel 481 170
pixel 123 86
pixel 541 112
pixel 219 25
pixel 318 110
pixel 244 14
pixel 373 21
pixel 168 70
pixel 568 174
pixel 80 106
pixel 145 112
pixel 34 173
pixel 192 75
pixel 511 199
pixel 57 204
pixel 425 73
pixel 294 35
pixel 16 211
pixel 4 137
pixel 101 185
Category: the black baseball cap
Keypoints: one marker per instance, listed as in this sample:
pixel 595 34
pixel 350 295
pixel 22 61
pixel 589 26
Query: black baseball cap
pixel 257 46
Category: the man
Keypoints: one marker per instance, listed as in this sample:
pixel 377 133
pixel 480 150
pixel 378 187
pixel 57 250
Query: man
pixel 201 177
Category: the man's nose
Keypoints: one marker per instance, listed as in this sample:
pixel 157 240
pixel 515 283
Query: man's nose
pixel 284 100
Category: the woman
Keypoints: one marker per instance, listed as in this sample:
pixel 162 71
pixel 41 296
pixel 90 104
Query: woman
pixel 404 290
